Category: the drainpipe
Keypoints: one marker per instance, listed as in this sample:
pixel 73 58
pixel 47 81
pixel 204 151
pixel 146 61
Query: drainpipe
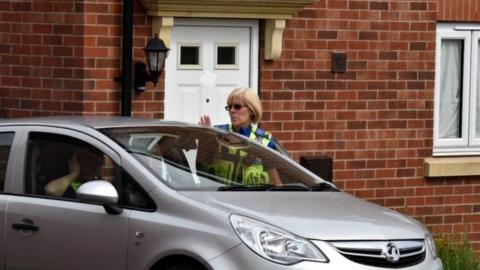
pixel 126 79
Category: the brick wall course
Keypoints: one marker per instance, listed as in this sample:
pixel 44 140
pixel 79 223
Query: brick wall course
pixel 63 45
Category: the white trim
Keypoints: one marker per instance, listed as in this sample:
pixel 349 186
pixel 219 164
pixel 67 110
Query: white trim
pixel 458 26
pixel 254 51
pixel 226 66
pixel 474 140
pixel 179 56
pixel 456 142
pixel 468 145
pixel 467 28
pixel 456 152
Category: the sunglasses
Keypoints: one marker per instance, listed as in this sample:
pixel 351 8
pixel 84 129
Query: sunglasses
pixel 234 106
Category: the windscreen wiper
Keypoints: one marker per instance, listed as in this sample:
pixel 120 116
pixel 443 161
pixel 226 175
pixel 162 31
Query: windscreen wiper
pixel 286 187
pixel 238 187
pixel 323 187
pixel 302 187
pixel 289 187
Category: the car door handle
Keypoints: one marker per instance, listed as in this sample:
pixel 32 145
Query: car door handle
pixel 26 225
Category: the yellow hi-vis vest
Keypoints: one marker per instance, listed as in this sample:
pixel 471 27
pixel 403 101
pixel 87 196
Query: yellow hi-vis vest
pixel 232 172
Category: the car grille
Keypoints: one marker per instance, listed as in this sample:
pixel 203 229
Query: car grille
pixel 387 254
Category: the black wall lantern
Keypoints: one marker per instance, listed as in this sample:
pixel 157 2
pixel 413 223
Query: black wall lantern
pixel 156 53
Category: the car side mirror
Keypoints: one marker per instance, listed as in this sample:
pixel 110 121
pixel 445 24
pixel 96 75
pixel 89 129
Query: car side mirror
pixel 100 192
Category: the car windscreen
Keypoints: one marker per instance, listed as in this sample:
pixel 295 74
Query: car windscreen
pixel 199 158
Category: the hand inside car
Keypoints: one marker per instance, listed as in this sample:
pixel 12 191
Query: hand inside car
pixel 74 166
pixel 57 187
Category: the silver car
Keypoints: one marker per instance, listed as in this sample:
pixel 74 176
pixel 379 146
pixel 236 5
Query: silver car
pixel 122 193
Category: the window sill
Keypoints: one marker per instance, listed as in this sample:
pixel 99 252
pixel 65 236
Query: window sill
pixel 451 166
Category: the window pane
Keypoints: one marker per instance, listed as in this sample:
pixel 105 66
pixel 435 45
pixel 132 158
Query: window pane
pixel 226 55
pixel 5 145
pixel 451 89
pixel 58 165
pixel 132 195
pixel 189 55
pixel 54 158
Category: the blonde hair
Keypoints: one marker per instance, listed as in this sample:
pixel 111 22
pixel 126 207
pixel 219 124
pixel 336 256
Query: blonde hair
pixel 251 100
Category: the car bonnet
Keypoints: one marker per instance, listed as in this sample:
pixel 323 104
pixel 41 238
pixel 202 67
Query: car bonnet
pixel 317 215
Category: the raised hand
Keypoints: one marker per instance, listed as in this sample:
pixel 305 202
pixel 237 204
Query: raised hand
pixel 205 121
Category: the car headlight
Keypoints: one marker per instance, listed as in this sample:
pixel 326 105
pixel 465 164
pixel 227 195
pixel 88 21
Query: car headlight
pixel 431 244
pixel 275 244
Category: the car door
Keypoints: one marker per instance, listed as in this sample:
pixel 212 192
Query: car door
pixel 6 172
pixel 49 232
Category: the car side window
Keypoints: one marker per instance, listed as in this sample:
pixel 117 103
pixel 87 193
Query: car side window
pixel 58 165
pixel 6 140
pixel 131 195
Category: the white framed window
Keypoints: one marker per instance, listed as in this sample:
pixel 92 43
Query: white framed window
pixel 226 56
pixel 457 98
pixel 189 56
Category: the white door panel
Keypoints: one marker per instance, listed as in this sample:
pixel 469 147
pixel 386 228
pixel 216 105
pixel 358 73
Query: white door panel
pixel 223 62
pixel 187 99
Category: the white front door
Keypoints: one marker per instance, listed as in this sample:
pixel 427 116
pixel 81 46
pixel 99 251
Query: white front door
pixel 207 60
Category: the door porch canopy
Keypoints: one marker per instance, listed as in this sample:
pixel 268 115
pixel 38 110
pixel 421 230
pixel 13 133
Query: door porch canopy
pixel 275 13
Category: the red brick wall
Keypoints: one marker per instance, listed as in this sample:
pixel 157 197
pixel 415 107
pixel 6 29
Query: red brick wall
pixel 459 10
pixel 61 57
pixel 39 57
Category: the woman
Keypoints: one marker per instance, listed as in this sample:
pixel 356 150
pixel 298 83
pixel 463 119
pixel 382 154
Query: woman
pixel 245 110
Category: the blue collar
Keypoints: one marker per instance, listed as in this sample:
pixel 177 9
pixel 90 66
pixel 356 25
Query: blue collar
pixel 245 131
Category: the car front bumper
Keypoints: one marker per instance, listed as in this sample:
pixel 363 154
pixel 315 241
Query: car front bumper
pixel 242 258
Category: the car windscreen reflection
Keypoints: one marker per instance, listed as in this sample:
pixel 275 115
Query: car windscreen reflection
pixel 205 159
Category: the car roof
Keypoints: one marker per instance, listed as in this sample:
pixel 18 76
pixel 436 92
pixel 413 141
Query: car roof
pixel 96 122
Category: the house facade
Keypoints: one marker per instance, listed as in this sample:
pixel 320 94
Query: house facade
pixel 388 89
